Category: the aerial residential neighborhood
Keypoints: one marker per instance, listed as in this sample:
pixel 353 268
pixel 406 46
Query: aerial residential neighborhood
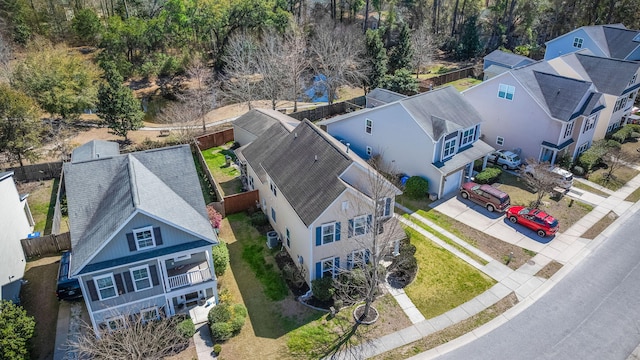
pixel 260 180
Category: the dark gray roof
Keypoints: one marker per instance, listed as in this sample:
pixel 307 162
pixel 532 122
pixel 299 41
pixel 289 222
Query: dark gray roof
pixel 257 121
pixel 610 76
pixel 615 40
pixel 95 149
pixel 103 193
pixel 305 166
pixel 508 59
pixel 384 95
pixel 262 147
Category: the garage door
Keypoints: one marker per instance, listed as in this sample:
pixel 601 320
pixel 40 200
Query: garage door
pixel 452 183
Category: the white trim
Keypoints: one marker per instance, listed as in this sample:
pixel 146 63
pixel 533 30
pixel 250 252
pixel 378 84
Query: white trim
pixel 133 278
pixel 148 310
pixel 142 230
pixel 113 308
pixel 368 125
pixel 362 218
pixel 333 233
pixel 113 282
pixel 115 319
pixel 333 267
pixel 182 257
pixel 498 141
pixel 578 40
pixel 369 151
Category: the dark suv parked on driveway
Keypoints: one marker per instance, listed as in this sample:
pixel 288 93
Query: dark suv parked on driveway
pixel 486 195
pixel 67 289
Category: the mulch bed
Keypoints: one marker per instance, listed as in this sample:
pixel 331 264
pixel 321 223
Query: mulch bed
pixel 282 259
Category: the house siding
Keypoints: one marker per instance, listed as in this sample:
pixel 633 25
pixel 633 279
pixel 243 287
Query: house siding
pixel 242 136
pixel 129 309
pixel 564 45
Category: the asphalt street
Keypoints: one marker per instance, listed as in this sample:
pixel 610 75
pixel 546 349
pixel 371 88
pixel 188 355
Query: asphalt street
pixel 592 313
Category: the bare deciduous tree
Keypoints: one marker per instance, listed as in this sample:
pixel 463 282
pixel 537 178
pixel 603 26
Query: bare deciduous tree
pixel 134 339
pixel 539 177
pixel 615 158
pixel 424 47
pixel 295 62
pixel 271 67
pixel 183 118
pixel 200 92
pixel 5 58
pixel 241 80
pixel 338 53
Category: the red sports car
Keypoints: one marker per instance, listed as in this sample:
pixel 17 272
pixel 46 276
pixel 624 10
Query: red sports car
pixel 536 220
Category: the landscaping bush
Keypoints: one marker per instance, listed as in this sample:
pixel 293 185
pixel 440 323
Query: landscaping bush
pixel 578 170
pixel 404 266
pixel 221 331
pixel 259 218
pixel 323 289
pixel 488 175
pixel 217 348
pixel 215 218
pixel 219 313
pixel 220 255
pixel 226 320
pixel 17 329
pixel 186 328
pixel 590 158
pixel 238 318
pixel 416 187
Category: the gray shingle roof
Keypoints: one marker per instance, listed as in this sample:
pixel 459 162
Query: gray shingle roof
pixel 103 193
pixel 257 121
pixel 306 166
pixel 95 149
pixel 610 76
pixel 384 95
pixel 508 59
pixel 614 39
pixel 261 148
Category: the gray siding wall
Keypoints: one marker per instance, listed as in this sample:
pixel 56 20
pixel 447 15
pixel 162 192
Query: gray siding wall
pixel 130 309
pixel 119 246
pixel 242 136
pixel 564 45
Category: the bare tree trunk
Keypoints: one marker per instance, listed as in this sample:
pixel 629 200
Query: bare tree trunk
pixel 612 4
pixel 434 17
pixel 366 17
pixel 455 17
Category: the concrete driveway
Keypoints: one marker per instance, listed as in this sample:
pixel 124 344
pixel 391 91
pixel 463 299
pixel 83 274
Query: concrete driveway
pixel 494 224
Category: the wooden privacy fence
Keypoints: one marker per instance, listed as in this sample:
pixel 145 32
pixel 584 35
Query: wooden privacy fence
pixel 37 172
pixel 322 112
pixel 429 84
pixel 46 245
pixel 240 202
pixel 216 139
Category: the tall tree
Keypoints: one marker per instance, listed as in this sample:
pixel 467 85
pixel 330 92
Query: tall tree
pixel 20 125
pixel 376 59
pixel 117 106
pixel 401 82
pixel 201 93
pixel 423 46
pixel 86 25
pixel 402 53
pixel 469 46
pixel 17 328
pixel 296 63
pixel 240 83
pixel 272 69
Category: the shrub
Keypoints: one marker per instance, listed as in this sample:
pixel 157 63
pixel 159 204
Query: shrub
pixel 258 218
pixel 488 175
pixel 323 289
pixel 217 348
pixel 578 170
pixel 416 187
pixel 405 266
pixel 219 313
pixel 220 255
pixel 186 328
pixel 17 329
pixel 214 216
pixel 221 331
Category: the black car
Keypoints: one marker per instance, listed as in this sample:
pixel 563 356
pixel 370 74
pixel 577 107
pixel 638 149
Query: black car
pixel 68 288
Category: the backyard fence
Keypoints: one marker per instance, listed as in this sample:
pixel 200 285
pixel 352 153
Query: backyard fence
pixel 37 172
pixel 216 139
pixel 429 84
pixel 240 202
pixel 325 111
pixel 46 245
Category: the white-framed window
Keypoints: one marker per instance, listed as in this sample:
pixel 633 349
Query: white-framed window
pixel 368 126
pixel 633 80
pixel 620 104
pixel 449 147
pixel 506 91
pixel 583 148
pixel 273 214
pixel 328 233
pixel 250 182
pixel 369 151
pixel 360 225
pixel 106 286
pixel 141 278
pixel 274 190
pixel 328 268
pixel 115 323
pixel 144 238
pixel 467 136
pixel 577 42
pixel 149 314
pixel 589 123
pixel 383 207
pixel 345 205
pixel 568 129
pixel 499 141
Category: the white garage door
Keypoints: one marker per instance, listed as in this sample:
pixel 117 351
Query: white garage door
pixel 452 183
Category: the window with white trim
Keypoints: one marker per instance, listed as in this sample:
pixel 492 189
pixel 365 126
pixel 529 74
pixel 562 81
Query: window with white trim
pixel 359 225
pixel 383 207
pixel 149 314
pixel 345 205
pixel 568 129
pixel 577 42
pixel 328 233
pixel 589 124
pixel 358 258
pixel 274 190
pixel 141 278
pixel 144 238
pixel 467 136
pixel 449 147
pixel 499 141
pixel 506 91
pixel 115 323
pixel 106 286
pixel 633 80
pixel 368 126
pixel 369 151
pixel 620 104
pixel 273 214
pixel 583 148
pixel 328 268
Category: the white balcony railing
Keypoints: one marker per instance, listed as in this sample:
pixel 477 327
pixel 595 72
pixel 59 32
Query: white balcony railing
pixel 190 278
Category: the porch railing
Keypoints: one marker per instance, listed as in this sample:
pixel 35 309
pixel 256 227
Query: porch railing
pixel 190 278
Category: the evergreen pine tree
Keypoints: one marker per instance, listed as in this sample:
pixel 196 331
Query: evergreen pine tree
pixel 469 46
pixel 117 106
pixel 376 59
pixel 402 53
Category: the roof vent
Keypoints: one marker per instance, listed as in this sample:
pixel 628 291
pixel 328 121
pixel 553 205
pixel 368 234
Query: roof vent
pixel 315 158
pixel 348 145
pixel 295 135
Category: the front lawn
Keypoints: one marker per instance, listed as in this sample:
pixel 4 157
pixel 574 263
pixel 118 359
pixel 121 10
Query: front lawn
pixel 619 177
pixel 227 176
pixel 443 281
pixel 591 189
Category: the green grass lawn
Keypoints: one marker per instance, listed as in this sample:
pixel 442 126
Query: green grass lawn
pixel 227 176
pixel 634 196
pixel 591 189
pixel 443 281
pixel 463 84
pixel 42 202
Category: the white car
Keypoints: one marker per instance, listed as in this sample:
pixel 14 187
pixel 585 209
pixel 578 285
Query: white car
pixel 506 159
pixel 565 177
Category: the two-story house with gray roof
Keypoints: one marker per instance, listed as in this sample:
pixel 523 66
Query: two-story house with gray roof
pixel 254 123
pixel 141 238
pixel 613 41
pixel 321 198
pixel 499 61
pixel 539 113
pixel 435 135
pixel 618 81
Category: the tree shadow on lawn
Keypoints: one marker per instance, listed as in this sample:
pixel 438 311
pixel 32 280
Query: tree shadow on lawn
pixel 269 318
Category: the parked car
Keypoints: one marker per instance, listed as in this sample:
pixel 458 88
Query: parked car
pixel 68 288
pixel 506 159
pixel 537 220
pixel 565 178
pixel 486 195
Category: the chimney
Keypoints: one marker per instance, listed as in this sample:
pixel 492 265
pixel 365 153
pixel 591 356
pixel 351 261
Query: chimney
pixel 348 145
